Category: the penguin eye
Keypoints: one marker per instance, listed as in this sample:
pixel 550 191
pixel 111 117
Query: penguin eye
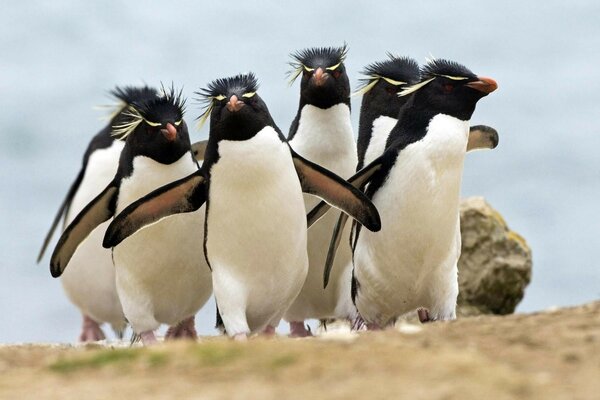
pixel 447 88
pixel 391 89
pixel 336 74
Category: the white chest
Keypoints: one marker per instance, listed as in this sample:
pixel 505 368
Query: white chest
pixel 382 126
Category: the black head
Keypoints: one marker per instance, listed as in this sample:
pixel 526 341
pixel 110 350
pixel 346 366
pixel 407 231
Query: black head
pixel 324 80
pixel 384 80
pixel 154 127
pixel 235 109
pixel 449 88
pixel 127 95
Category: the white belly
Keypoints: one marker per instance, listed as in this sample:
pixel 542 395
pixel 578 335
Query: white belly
pixel 89 282
pixel 380 131
pixel 408 264
pixel 256 235
pixel 162 276
pixel 325 137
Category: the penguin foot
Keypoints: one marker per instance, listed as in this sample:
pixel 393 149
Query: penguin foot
pixel 298 329
pixel 423 314
pixel 186 329
pixel 268 331
pixel 240 337
pixel 148 338
pixel 90 331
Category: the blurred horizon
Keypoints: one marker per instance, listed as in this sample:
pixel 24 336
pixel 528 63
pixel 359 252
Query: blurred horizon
pixel 60 59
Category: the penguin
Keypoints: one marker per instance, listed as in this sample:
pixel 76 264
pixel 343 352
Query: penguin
pixel 322 132
pixel 161 275
pixel 90 282
pixel 415 184
pixel 378 116
pixel 255 229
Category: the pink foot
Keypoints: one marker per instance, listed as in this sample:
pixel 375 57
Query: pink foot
pixel 423 314
pixel 298 329
pixel 91 331
pixel 372 326
pixel 240 337
pixel 148 338
pixel 184 330
pixel 268 331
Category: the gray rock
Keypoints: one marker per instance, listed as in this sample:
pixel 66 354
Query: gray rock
pixel 495 263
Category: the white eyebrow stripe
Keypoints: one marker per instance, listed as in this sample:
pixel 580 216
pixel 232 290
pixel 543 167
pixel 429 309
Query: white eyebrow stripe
pixel 414 88
pixel 455 78
pixel 334 67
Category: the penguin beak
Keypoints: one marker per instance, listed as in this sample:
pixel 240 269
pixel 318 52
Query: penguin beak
pixel 170 132
pixel 234 104
pixel 483 84
pixel 319 77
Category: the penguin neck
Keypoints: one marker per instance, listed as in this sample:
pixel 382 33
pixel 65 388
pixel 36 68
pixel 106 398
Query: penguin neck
pixel 372 108
pixel 164 154
pixel 323 135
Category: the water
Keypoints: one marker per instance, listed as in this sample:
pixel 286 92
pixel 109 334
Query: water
pixel 59 59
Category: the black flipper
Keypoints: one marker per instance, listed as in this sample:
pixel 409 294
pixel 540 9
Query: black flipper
pixel 96 212
pixel 182 196
pixel 482 137
pixel 358 180
pixel 62 211
pixel 334 190
pixel 333 245
pixel 198 149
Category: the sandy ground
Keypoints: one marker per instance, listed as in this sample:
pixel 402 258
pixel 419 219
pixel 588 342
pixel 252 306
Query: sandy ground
pixel 548 355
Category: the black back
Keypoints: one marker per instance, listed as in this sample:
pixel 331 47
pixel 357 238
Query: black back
pixel 126 95
pixel 336 86
pixel 382 99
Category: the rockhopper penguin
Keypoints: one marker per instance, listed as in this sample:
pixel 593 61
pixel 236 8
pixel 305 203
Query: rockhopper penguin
pixel 90 282
pixel 322 132
pixel 161 274
pixel 378 116
pixel 411 263
pixel 252 182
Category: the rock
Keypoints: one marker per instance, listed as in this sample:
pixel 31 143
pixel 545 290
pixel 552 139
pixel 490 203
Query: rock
pixel 495 263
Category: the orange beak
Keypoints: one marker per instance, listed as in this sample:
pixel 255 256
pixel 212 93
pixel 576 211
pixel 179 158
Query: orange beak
pixel 234 104
pixel 319 77
pixel 485 85
pixel 170 132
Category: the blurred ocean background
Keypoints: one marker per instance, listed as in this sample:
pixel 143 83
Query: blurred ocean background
pixel 58 59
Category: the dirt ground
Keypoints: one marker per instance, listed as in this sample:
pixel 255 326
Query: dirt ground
pixel 547 355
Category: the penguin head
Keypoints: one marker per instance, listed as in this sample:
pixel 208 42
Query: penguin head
pixel 447 87
pixel 126 96
pixel 154 126
pixel 324 81
pixel 384 80
pixel 235 109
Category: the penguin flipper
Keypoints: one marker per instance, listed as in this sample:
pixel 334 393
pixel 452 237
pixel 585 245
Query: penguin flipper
pixel 333 245
pixel 182 196
pixel 62 211
pixel 323 183
pixel 96 212
pixel 482 137
pixel 198 149
pixel 358 180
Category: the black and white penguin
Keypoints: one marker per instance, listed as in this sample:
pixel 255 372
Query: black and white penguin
pixel 161 274
pixel 379 115
pixel 322 132
pixel 90 282
pixel 252 182
pixel 411 263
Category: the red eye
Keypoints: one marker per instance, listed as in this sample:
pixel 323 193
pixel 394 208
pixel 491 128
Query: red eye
pixel 336 74
pixel 391 90
pixel 448 88
pixel 307 74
